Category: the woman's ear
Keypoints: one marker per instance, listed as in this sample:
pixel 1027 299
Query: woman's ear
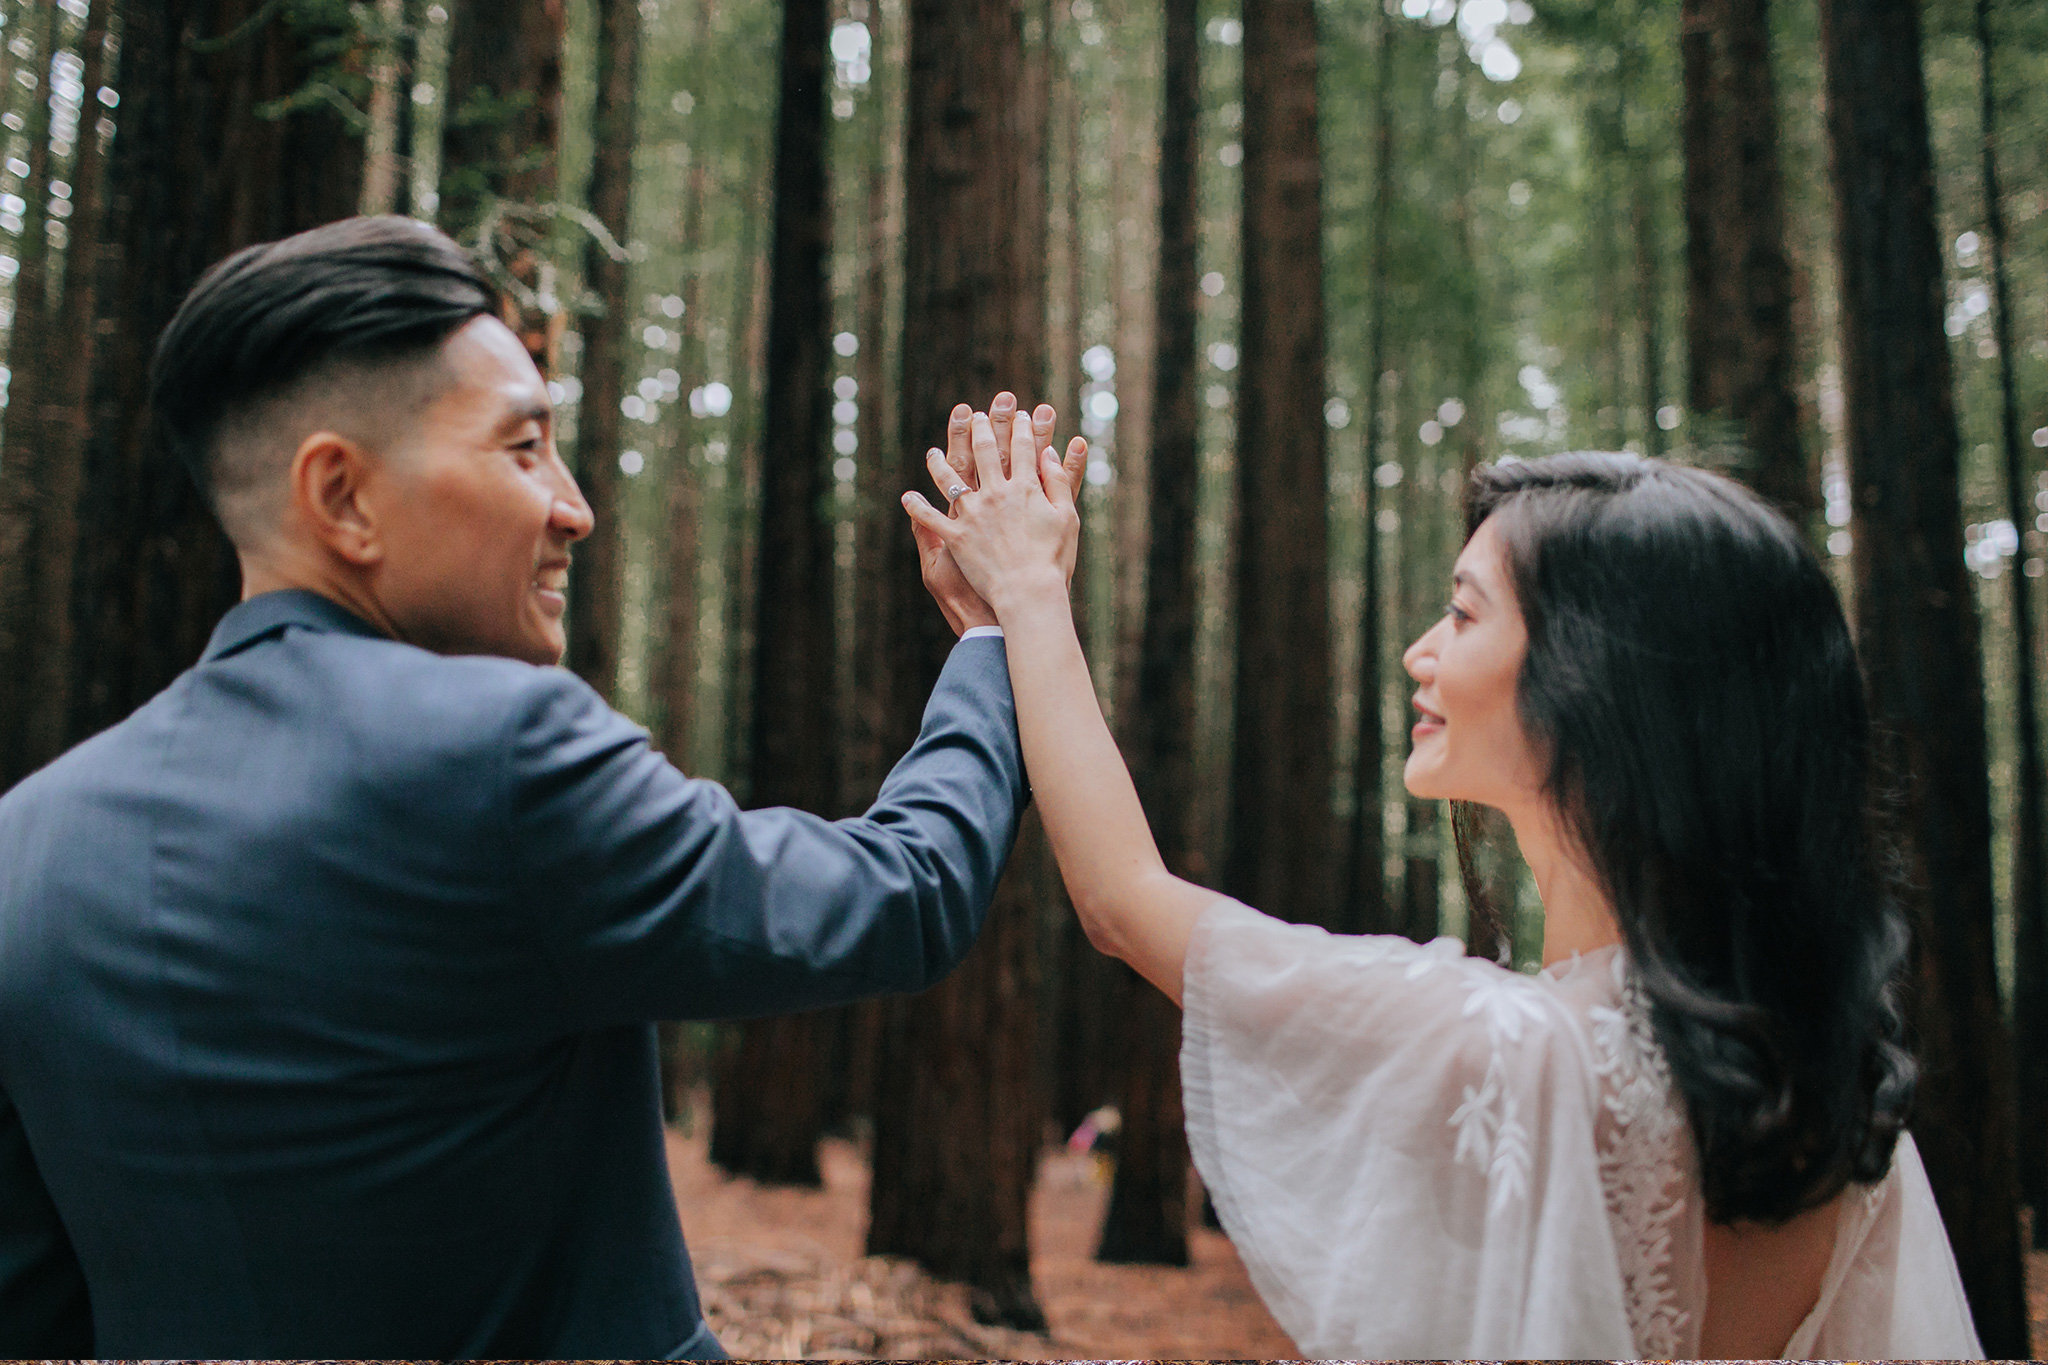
pixel 329 477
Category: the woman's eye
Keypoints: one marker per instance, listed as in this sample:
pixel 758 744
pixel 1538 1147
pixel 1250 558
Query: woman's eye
pixel 1457 613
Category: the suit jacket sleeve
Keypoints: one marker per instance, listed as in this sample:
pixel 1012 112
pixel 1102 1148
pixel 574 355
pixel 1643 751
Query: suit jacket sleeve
pixel 44 1313
pixel 656 897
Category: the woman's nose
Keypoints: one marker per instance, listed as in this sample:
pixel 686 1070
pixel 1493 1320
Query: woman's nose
pixel 1420 658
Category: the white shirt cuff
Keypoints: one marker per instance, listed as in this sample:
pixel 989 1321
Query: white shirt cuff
pixel 982 633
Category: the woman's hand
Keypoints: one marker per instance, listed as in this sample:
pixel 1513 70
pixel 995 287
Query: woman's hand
pixel 1014 530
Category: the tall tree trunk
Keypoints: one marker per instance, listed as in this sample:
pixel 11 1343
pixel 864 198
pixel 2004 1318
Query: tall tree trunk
pixel 1642 212
pixel 195 173
pixel 2029 860
pixel 597 586
pixel 1917 630
pixel 1739 294
pixel 500 149
pixel 1148 1204
pixel 1282 846
pixel 957 1110
pixel 1422 580
pixel 1365 909
pixel 58 431
pixel 30 356
pixel 772 1090
pixel 381 142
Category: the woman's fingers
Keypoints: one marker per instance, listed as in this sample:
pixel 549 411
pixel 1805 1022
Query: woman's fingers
pixel 945 478
pixel 1023 451
pixel 927 519
pixel 988 456
pixel 1043 418
pixel 959 437
pixel 1073 468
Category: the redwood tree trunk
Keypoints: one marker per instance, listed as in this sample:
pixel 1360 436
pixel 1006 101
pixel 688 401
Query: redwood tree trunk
pixel 598 582
pixel 2029 859
pixel 502 142
pixel 1738 272
pixel 1917 630
pixel 774 1136
pixel 957 1110
pixel 1148 1214
pixel 1282 843
pixel 195 173
pixel 1365 909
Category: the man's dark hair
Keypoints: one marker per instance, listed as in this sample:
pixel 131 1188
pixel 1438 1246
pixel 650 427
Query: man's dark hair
pixel 358 294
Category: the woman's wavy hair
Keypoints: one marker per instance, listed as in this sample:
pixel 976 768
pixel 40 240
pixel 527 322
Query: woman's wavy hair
pixel 1691 682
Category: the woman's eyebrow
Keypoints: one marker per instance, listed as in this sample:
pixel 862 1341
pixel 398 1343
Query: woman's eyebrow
pixel 1461 579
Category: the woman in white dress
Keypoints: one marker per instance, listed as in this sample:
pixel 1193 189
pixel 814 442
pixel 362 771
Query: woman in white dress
pixel 1685 1137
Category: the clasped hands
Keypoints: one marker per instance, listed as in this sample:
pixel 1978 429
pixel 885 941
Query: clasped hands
pixel 1011 531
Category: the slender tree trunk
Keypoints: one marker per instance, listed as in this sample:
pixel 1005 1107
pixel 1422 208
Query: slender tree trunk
pixel 1365 909
pixel 1917 630
pixel 59 430
pixel 195 173
pixel 1282 847
pixel 500 149
pixel 1148 1204
pixel 597 586
pixel 743 503
pixel 2029 861
pixel 957 1110
pixel 380 151
pixel 30 356
pixel 1739 323
pixel 1422 516
pixel 773 1134
pixel 1643 228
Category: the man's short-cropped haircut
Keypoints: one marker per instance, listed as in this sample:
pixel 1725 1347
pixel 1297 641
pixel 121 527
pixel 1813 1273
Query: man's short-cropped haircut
pixel 360 296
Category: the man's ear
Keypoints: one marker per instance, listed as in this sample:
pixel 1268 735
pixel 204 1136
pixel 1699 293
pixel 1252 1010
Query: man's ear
pixel 329 478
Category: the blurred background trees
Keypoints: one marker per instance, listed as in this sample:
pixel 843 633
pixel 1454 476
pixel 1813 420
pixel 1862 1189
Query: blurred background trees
pixel 1293 268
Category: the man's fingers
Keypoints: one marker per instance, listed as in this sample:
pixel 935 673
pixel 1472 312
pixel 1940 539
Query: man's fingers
pixel 1075 467
pixel 959 436
pixel 945 478
pixel 988 456
pixel 1002 416
pixel 1043 418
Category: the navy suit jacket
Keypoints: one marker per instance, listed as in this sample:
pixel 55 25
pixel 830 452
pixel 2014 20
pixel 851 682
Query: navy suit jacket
pixel 326 983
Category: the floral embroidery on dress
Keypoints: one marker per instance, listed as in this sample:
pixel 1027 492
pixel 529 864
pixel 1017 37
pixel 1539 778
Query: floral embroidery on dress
pixel 1643 1150
pixel 1491 1134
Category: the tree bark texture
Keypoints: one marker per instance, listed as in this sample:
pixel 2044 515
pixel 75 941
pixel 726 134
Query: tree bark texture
pixel 501 146
pixel 1365 908
pixel 1642 212
pixel 381 154
pixel 1739 293
pixel 194 174
pixel 795 744
pixel 1917 630
pixel 2029 859
pixel 1282 837
pixel 598 583
pixel 957 1110
pixel 22 468
pixel 1147 1218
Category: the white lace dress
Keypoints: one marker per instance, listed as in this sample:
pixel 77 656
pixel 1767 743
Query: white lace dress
pixel 1423 1155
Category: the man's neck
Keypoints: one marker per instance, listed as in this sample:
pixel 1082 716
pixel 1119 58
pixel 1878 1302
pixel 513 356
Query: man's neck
pixel 262 573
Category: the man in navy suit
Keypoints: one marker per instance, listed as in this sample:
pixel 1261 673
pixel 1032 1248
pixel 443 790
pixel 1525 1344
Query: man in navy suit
pixel 327 978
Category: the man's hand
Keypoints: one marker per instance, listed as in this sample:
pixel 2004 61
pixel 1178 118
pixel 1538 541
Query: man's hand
pixel 963 607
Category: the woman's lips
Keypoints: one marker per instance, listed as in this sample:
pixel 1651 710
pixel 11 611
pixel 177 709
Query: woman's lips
pixel 1429 723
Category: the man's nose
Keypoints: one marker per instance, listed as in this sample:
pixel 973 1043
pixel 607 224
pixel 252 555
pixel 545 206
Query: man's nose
pixel 571 516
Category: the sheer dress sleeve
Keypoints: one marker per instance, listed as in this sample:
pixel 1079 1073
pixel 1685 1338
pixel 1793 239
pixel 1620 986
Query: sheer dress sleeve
pixel 1399 1140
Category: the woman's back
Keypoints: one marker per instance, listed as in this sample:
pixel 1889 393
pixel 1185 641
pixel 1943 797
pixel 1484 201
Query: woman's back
pixel 1420 1154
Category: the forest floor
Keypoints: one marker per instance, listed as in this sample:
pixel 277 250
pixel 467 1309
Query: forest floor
pixel 783 1277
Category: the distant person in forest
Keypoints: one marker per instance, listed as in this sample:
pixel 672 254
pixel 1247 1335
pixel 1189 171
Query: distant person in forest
pixel 327 979
pixel 1686 1137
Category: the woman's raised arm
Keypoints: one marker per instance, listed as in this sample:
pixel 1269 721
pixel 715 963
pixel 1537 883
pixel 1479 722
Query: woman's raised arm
pixel 1008 536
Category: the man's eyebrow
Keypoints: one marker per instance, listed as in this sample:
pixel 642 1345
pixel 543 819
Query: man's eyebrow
pixel 537 410
pixel 1461 579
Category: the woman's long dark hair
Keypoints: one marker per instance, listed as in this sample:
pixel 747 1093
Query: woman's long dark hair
pixel 1691 681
